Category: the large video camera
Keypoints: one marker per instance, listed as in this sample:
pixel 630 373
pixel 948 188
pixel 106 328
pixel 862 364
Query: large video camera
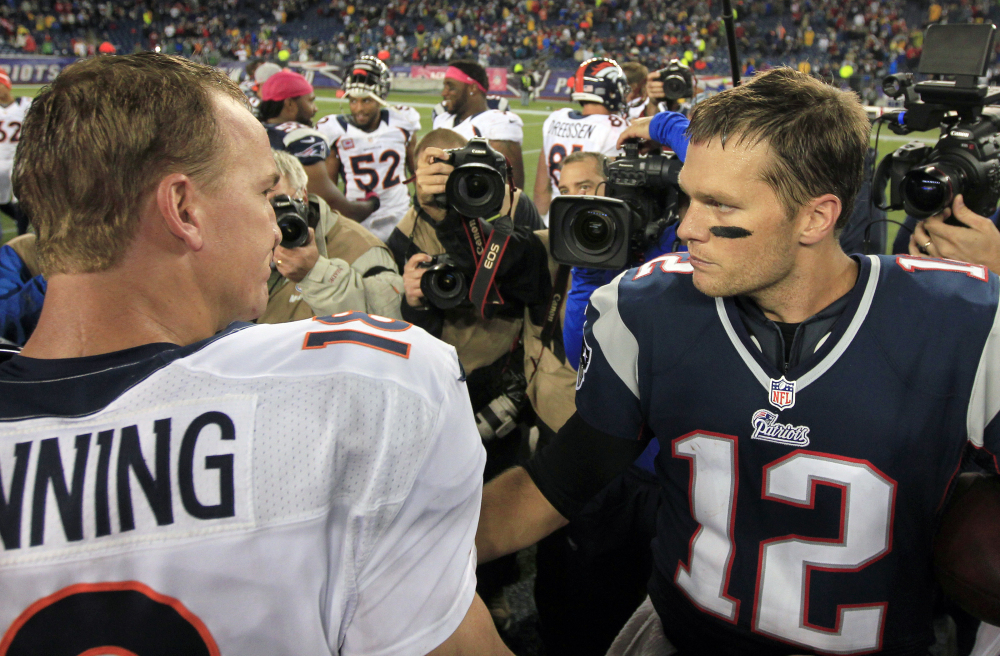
pixel 293 220
pixel 642 199
pixel 477 186
pixel 924 179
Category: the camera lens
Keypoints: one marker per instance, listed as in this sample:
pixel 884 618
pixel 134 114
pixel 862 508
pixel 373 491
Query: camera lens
pixel 475 186
pixel 475 189
pixel 675 87
pixel 294 230
pixel 447 282
pixel 444 286
pixel 930 189
pixel 594 231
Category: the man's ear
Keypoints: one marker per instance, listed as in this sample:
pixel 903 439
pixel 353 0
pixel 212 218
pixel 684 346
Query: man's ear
pixel 175 201
pixel 819 218
pixel 290 105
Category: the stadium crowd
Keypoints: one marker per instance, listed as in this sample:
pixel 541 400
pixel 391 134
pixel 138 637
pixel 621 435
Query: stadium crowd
pixel 820 35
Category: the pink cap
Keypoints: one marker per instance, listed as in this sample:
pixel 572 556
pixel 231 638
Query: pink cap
pixel 285 84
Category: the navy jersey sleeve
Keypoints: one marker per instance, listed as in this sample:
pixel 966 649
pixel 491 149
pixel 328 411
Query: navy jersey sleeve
pixel 607 395
pixel 307 144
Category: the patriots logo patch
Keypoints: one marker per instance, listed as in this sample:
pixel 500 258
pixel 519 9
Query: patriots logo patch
pixel 767 427
pixel 316 150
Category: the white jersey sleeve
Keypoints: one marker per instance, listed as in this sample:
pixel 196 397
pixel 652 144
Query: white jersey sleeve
pixel 406 118
pixel 418 584
pixel 330 128
pixel 502 126
pixel 610 147
pixel 443 120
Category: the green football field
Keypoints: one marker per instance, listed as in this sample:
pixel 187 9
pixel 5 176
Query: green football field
pixel 533 117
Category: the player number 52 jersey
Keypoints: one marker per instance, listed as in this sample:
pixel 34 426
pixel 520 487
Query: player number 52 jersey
pixel 11 118
pixel 567 131
pixel 375 161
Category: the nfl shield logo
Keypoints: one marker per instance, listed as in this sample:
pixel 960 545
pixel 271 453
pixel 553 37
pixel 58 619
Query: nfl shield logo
pixel 782 393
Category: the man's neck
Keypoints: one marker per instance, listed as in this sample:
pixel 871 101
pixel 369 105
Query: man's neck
pixel 96 313
pixel 812 285
pixel 476 105
pixel 371 127
pixel 590 109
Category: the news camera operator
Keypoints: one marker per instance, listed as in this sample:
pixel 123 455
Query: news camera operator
pixel 348 269
pixel 591 575
pixel 429 230
pixel 435 249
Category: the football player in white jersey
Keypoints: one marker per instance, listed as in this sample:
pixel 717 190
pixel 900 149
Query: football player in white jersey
pixel 178 483
pixel 601 89
pixel 464 98
pixel 371 146
pixel 288 104
pixel 11 117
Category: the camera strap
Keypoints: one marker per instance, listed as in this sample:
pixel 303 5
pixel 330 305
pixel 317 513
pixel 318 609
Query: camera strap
pixel 483 292
pixel 552 316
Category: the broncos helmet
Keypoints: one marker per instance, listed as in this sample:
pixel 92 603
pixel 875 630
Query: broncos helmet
pixel 601 80
pixel 368 76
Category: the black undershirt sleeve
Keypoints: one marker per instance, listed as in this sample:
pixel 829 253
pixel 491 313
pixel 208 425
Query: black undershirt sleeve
pixel 579 463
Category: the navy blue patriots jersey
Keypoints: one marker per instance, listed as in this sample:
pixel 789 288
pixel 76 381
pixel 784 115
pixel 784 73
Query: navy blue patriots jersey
pixel 799 508
pixel 306 143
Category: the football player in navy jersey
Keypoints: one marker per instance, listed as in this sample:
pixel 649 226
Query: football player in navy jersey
pixel 811 407
pixel 288 104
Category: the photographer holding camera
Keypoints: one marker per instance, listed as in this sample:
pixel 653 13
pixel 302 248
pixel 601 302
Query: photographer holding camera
pixel 348 269
pixel 437 249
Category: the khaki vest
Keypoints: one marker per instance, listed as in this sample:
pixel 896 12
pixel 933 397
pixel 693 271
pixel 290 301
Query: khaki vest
pixel 345 240
pixel 479 342
pixel 552 390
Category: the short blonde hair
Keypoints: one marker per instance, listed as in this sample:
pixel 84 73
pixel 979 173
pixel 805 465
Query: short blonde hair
pixel 442 138
pixel 291 169
pixel 98 139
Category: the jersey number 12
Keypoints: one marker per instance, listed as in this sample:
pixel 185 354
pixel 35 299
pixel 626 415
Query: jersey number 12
pixel 785 563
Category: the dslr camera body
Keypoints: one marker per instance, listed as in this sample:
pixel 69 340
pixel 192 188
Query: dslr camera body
pixel 443 284
pixel 924 179
pixel 478 185
pixel 606 232
pixel 678 82
pixel 293 220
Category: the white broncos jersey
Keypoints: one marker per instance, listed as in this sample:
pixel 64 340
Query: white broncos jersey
pixel 567 131
pixel 301 488
pixel 375 161
pixel 11 118
pixel 492 124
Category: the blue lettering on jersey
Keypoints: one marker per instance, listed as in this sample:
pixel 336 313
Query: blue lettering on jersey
pixel 767 427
